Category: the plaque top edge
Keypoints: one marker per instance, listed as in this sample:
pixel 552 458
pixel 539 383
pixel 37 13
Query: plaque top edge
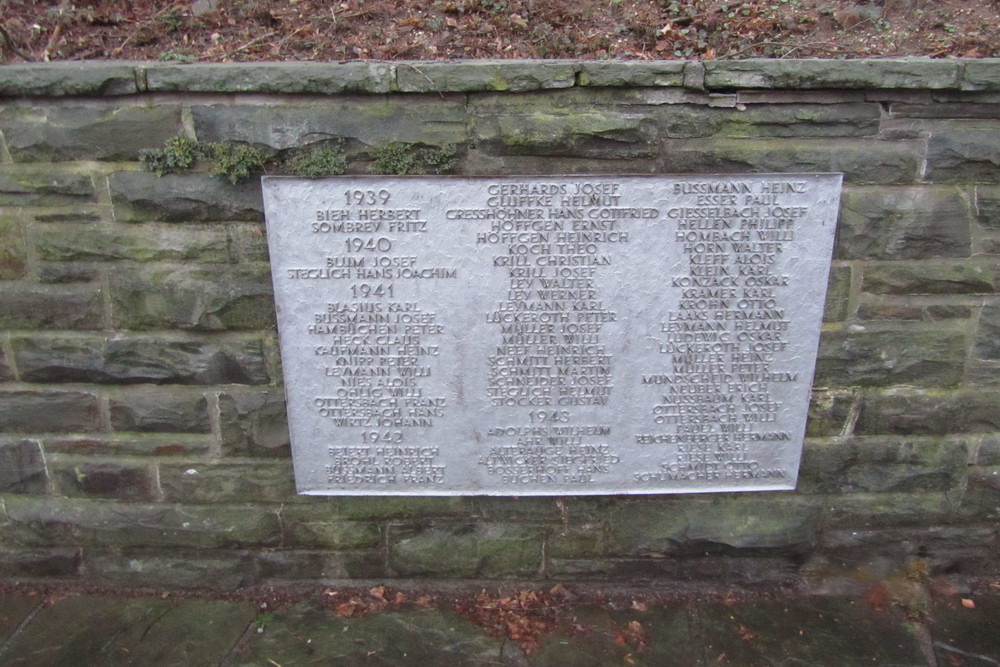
pixel 479 177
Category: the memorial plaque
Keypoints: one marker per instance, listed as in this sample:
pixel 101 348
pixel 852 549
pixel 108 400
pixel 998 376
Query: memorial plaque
pixel 561 335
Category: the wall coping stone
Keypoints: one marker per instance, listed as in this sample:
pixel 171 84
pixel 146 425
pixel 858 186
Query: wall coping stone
pixel 116 78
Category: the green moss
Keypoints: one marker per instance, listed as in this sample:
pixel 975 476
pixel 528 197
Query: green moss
pixel 236 162
pixel 401 158
pixel 177 154
pixel 320 161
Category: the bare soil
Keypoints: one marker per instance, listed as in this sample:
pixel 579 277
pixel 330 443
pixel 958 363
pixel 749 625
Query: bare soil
pixel 319 30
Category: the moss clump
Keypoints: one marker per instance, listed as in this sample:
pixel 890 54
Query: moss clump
pixel 320 161
pixel 236 162
pixel 401 158
pixel 177 154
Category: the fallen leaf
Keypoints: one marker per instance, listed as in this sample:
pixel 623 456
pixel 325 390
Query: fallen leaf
pixel 968 604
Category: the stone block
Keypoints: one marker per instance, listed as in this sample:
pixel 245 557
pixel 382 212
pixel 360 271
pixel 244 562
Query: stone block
pixel 129 444
pixel 963 155
pixel 49 412
pixel 280 566
pixel 278 77
pixel 915 222
pixel 35 521
pixel 6 372
pixel 982 495
pixel 221 483
pixel 128 360
pixel 894 356
pixel 60 273
pixel 35 186
pixel 140 196
pixel 157 410
pixel 981 74
pixel 976 276
pixel 33 306
pixel 576 541
pixel 13 259
pixel 724 524
pixel 395 118
pixel 864 511
pixel 175 569
pixel 988 206
pixel 199 298
pixel 254 424
pixel 67 79
pixel 932 109
pixel 803 120
pixel 103 479
pixel 142 243
pixel 829 411
pixel 838 292
pixel 931 412
pixel 631 73
pixel 596 132
pixel 987 341
pixel 870 465
pixel 309 527
pixel 22 467
pixel 54 563
pixel 861 161
pixel 481 550
pixel 67 132
pixel 365 508
pixel 485 75
pixel 817 73
pixel 888 308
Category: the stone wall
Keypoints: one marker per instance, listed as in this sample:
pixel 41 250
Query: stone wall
pixel 142 431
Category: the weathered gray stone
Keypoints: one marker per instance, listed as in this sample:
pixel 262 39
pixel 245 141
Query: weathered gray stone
pixel 759 73
pixel 254 424
pixel 58 562
pixel 977 276
pixel 595 132
pixel 468 550
pixel 394 118
pixel 60 273
pixel 803 120
pixel 987 342
pixel 131 360
pixel 140 196
pixel 184 297
pixel 105 132
pixel 13 259
pixel 308 634
pixel 309 527
pixel 157 410
pixel 6 372
pixel 838 292
pixel 143 243
pixel 988 206
pixel 22 467
pixel 67 79
pixel 48 411
pixel 33 306
pixel 221 483
pixel 398 508
pixel 103 479
pixel 861 510
pixel 981 74
pixel 631 73
pixel 484 75
pixel 721 525
pixel 172 570
pixel 894 356
pixel 887 308
pixel 883 465
pixel 931 109
pixel 982 496
pixel 37 521
pixel 34 186
pixel 829 411
pixel 280 566
pixel 962 155
pixel 904 223
pixel 861 161
pixel 912 412
pixel 129 444
pixel 280 77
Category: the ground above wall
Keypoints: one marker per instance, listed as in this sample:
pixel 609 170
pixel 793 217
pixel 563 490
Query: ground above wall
pixel 143 439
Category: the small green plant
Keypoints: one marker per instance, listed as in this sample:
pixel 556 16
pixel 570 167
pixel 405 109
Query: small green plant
pixel 401 158
pixel 171 20
pixel 236 162
pixel 320 161
pixel 177 154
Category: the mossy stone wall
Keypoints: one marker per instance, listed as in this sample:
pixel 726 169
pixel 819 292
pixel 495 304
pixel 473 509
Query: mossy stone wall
pixel 142 428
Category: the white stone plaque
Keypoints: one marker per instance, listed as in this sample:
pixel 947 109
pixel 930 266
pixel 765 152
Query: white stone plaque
pixel 562 335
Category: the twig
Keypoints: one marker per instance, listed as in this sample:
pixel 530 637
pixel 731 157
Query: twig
pixel 249 44
pixel 8 41
pixel 52 42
